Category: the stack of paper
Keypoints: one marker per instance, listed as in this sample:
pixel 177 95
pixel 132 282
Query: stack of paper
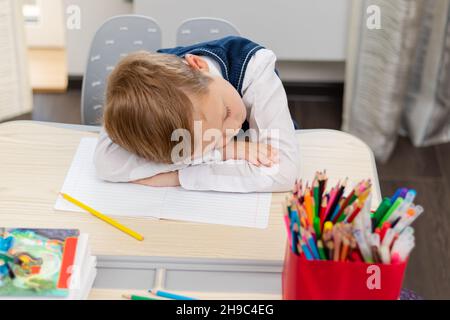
pixel 127 199
pixel 45 264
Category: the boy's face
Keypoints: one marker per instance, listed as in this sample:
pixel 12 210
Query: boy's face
pixel 221 108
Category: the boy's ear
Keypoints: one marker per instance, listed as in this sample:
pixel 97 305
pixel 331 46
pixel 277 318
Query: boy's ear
pixel 196 62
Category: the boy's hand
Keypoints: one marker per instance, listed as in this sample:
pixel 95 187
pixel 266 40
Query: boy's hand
pixel 255 153
pixel 167 179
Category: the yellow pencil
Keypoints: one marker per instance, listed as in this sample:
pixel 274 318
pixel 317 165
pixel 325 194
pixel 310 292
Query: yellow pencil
pixel 103 217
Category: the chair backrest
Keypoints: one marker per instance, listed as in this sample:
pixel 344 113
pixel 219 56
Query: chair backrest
pixel 116 38
pixel 197 30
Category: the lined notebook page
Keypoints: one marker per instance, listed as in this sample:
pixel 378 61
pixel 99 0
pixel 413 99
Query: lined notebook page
pixel 126 199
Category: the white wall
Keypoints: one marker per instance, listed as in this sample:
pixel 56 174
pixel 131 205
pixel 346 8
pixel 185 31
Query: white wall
pixel 50 31
pixel 308 36
pixel 93 14
pixel 306 30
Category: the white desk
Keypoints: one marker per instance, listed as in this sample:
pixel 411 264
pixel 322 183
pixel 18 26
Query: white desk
pixel 210 260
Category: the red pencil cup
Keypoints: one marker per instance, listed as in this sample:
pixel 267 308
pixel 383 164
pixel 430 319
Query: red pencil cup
pixel 328 280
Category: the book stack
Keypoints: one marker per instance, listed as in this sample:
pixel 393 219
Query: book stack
pixel 45 264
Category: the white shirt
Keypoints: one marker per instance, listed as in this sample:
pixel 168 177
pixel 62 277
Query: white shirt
pixel 267 108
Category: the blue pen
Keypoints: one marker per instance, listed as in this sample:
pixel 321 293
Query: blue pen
pixel 169 295
pixel 398 193
pixel 313 247
pixel 306 251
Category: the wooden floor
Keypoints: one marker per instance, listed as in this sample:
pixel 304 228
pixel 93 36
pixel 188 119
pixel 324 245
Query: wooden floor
pixel 425 169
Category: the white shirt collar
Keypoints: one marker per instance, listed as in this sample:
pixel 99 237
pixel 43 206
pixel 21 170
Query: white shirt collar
pixel 213 65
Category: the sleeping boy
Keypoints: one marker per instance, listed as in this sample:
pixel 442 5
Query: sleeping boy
pixel 177 118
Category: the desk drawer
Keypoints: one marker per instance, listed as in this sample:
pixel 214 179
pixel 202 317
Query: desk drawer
pixel 199 275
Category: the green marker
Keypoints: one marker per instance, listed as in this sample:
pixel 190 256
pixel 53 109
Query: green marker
pixel 381 210
pixel 391 210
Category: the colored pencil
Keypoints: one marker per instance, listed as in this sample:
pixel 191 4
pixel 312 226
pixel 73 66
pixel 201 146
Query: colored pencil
pixel 169 295
pixel 337 244
pixel 335 215
pixel 347 201
pixel 306 250
pixel 321 249
pixel 321 187
pixel 316 197
pixel 323 209
pixel 337 199
pixel 309 205
pixel 330 249
pixel 312 245
pixel 339 226
pixel 103 217
pixel 333 194
pixel 136 297
pixel 355 212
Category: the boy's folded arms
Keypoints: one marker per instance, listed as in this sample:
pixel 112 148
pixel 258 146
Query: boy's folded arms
pixel 257 154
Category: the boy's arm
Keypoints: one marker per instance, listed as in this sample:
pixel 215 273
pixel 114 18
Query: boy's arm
pixel 269 110
pixel 115 164
pixel 166 179
pixel 256 154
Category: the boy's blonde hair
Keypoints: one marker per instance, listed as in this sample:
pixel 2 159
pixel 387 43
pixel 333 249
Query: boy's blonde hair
pixel 146 100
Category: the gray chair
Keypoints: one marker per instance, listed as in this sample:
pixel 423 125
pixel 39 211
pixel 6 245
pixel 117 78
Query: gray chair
pixel 116 38
pixel 197 30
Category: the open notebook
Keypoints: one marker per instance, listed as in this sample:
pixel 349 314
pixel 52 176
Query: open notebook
pixel 126 199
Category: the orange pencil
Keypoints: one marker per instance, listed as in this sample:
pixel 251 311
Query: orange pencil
pixel 303 217
pixel 308 202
